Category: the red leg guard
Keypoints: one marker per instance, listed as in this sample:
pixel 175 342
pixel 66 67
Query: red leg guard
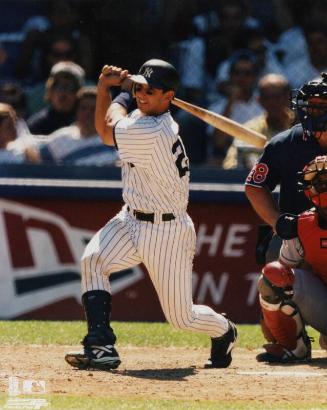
pixel 282 328
pixel 278 274
pixel 266 332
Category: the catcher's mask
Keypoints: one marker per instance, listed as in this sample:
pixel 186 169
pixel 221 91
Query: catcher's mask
pixel 310 103
pixel 314 181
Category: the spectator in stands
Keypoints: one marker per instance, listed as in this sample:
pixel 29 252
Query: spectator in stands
pixel 62 20
pixel 252 39
pixel 8 133
pixel 239 102
pixel 302 42
pixel 274 97
pixel 13 94
pixel 66 78
pixel 212 35
pixel 233 17
pixel 310 65
pixel 79 143
pixel 59 47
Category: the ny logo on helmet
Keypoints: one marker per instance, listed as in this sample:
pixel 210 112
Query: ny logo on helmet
pixel 148 71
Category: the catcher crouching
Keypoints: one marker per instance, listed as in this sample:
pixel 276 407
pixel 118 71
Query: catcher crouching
pixel 293 290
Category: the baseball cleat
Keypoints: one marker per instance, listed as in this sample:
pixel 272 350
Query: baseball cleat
pixel 95 357
pixel 221 349
pixel 276 353
pixel 287 358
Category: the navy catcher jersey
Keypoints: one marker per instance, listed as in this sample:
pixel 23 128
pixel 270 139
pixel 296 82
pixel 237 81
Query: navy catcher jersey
pixel 280 164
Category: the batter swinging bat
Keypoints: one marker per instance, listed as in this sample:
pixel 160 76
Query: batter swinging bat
pixel 224 124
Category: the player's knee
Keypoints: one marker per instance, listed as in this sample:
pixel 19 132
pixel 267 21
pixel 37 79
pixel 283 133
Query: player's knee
pixel 177 322
pixel 275 285
pixel 172 321
pixel 91 265
pixel 278 275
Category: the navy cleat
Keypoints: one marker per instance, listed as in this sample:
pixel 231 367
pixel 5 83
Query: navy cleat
pixel 221 349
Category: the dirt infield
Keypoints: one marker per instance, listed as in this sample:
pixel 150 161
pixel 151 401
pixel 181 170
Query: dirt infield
pixel 169 373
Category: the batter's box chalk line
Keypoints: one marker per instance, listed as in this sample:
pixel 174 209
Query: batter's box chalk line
pixel 282 373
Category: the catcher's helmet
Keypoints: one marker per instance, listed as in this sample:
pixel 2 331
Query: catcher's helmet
pixel 314 181
pixel 311 108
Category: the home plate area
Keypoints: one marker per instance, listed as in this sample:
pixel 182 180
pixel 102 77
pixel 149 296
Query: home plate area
pixel 170 373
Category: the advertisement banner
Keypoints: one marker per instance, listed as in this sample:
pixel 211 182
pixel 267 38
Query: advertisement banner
pixel 43 240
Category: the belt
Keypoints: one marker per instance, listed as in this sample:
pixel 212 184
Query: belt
pixel 141 216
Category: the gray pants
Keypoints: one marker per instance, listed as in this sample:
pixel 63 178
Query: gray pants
pixel 310 296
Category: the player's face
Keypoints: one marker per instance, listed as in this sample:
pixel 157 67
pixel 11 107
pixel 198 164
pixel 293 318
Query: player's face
pixel 152 101
pixel 318 107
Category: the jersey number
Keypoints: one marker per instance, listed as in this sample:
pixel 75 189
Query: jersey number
pixel 179 161
pixel 258 173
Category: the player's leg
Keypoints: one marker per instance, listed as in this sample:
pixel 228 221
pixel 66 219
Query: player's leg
pixel 111 249
pixel 310 295
pixel 168 256
pixel 282 323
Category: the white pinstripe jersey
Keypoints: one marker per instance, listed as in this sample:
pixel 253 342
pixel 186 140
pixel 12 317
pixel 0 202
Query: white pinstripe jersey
pixel 155 169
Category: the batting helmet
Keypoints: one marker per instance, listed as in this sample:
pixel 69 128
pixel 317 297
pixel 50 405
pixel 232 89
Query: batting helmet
pixel 314 181
pixel 310 102
pixel 158 74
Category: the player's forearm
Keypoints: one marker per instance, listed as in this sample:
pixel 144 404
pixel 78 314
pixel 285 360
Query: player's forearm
pixel 106 113
pixel 103 102
pixel 263 203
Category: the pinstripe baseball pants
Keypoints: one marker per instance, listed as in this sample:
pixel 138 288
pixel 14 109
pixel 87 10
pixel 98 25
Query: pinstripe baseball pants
pixel 167 251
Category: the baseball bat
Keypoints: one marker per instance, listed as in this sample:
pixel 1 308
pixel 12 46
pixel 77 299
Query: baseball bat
pixel 224 124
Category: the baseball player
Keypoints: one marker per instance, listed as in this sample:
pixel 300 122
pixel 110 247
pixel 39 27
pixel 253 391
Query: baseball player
pixel 291 296
pixel 153 226
pixel 283 158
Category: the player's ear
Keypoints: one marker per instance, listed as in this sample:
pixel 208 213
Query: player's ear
pixel 169 95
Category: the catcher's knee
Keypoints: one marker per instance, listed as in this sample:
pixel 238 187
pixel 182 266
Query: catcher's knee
pixel 275 285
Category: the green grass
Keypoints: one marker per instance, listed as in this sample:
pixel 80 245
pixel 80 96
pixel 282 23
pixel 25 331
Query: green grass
pixel 128 333
pixel 57 402
pixel 96 403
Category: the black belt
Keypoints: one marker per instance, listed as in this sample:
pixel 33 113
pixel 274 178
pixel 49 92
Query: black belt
pixel 141 216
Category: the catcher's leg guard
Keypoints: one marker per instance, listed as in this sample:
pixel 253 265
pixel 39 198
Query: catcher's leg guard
pixel 282 322
pixel 99 351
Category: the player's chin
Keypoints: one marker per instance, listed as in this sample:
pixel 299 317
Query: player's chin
pixel 146 110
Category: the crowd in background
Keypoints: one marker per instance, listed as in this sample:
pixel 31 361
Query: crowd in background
pixel 239 58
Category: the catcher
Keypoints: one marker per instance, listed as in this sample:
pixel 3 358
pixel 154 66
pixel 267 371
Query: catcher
pixel 293 290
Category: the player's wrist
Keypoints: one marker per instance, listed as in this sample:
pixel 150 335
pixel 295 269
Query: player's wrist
pixel 103 90
pixel 125 99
